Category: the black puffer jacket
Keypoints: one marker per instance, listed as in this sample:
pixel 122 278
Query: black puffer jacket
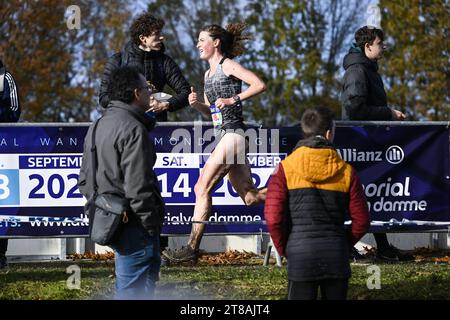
pixel 157 67
pixel 363 96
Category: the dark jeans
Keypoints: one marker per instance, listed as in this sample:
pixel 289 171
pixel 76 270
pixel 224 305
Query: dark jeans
pixel 330 289
pixel 137 263
pixel 3 246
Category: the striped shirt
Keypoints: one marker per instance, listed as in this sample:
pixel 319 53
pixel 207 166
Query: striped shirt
pixel 9 100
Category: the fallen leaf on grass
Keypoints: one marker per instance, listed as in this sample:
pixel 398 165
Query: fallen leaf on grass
pixel 109 255
pixel 231 257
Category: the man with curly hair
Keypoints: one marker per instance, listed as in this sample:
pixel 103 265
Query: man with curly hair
pixel 145 51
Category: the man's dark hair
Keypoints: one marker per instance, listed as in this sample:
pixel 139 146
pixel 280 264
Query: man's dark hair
pixel 316 121
pixel 1 63
pixel 145 24
pixel 122 83
pixel 367 34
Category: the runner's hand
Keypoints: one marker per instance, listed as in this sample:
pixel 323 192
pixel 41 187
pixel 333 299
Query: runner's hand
pixel 222 103
pixel 193 98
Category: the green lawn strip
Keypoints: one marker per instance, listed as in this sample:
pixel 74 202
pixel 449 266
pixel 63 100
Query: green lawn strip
pixel 222 282
pixel 48 281
pixel 403 281
pixel 398 281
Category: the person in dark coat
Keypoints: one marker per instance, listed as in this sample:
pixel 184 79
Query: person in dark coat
pixel 145 51
pixel 364 98
pixel 309 197
pixel 9 97
pixel 9 112
pixel 363 95
pixel 126 157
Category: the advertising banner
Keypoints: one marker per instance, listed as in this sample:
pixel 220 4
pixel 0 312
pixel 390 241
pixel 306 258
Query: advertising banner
pixel 404 169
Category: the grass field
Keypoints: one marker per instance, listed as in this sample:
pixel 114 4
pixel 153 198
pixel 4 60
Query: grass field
pixel 48 280
pixel 398 281
pixel 249 281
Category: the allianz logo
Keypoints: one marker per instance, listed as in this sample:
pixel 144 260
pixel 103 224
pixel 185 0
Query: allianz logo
pixel 393 155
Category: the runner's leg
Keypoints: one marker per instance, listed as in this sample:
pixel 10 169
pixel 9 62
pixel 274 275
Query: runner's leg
pixel 216 167
pixel 241 178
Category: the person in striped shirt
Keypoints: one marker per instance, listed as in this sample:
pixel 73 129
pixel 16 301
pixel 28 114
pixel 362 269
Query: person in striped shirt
pixel 9 112
pixel 9 97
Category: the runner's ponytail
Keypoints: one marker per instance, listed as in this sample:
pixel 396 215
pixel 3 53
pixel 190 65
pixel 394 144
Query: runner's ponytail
pixel 231 39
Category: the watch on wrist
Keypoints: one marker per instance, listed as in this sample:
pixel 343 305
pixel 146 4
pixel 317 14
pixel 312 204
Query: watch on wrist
pixel 236 99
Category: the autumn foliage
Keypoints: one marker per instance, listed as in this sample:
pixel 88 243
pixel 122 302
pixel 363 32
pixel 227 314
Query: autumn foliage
pixel 57 69
pixel 297 49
